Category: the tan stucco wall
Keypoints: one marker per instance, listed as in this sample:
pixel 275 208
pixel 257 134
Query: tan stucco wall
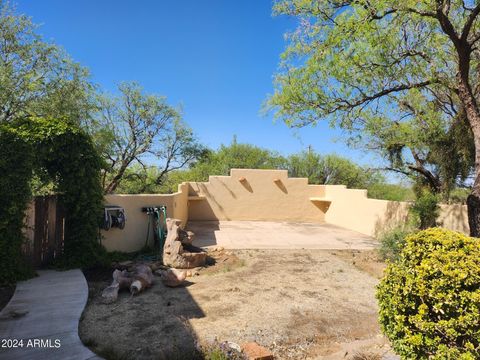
pixel 352 209
pixel 454 217
pixel 133 236
pixel 180 204
pixel 259 197
pixel 256 195
pixel 267 195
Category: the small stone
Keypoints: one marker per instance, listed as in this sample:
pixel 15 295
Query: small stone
pixel 234 346
pixel 253 351
pixel 172 277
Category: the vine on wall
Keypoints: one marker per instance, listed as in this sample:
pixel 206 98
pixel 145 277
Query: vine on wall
pixel 64 153
pixel 16 169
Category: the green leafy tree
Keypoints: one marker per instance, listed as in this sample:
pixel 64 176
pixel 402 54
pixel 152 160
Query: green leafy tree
pixel 425 209
pixel 241 156
pixel 331 169
pixel 424 146
pixel 218 162
pixel 36 77
pixel 393 192
pixel 139 179
pixel 360 63
pixel 134 127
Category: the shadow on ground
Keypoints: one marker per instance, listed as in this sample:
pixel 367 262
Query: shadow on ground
pixel 141 327
pixel 204 232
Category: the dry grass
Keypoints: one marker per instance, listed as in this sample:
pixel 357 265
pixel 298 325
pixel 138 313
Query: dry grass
pixel 366 355
pixel 323 306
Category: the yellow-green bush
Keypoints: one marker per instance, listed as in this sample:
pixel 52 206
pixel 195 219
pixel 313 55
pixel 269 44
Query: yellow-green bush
pixel 430 298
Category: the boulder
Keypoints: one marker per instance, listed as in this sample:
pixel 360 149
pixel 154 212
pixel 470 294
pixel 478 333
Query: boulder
pixel 178 252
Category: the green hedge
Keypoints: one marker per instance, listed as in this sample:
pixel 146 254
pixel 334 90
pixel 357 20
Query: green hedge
pixel 430 298
pixel 64 153
pixel 16 160
pixel 69 156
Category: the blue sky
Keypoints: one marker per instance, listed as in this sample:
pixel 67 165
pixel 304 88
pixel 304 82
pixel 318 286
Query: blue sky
pixel 215 58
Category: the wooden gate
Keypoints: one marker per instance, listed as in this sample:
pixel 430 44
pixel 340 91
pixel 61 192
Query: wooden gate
pixel 48 230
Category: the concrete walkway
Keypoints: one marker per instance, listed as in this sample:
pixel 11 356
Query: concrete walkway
pixel 277 235
pixel 44 312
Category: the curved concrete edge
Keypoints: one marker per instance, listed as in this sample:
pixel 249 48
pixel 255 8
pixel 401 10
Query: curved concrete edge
pixel 41 319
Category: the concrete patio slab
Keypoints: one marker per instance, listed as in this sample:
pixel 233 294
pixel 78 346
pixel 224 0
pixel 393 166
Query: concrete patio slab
pixel 277 235
pixel 52 304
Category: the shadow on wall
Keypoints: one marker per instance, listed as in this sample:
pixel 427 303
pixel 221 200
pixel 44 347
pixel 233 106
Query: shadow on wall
pixel 226 188
pixel 322 205
pixel 395 214
pixel 151 325
pixel 454 217
pixel 207 210
pixel 280 185
pixel 246 184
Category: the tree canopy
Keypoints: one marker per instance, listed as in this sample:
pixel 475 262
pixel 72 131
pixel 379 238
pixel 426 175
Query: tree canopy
pixel 331 170
pixel 134 126
pixel 395 75
pixel 36 77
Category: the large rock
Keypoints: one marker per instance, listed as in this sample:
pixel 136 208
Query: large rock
pixel 178 251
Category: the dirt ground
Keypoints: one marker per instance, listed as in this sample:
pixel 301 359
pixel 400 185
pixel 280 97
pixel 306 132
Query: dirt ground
pixel 301 304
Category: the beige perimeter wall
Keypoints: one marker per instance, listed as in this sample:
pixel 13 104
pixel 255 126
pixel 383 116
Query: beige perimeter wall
pixel 454 217
pixel 256 195
pixel 352 209
pixel 133 236
pixel 267 195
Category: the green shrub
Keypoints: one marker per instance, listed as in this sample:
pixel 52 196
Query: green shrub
pixel 426 209
pixel 430 298
pixel 16 158
pixel 459 196
pixel 392 242
pixel 393 192
pixel 65 154
pixel 216 354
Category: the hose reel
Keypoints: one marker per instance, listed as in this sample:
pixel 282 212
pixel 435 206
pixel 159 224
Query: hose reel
pixel 114 217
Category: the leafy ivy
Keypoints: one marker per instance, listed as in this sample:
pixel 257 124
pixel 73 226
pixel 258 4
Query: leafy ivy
pixel 16 161
pixel 67 155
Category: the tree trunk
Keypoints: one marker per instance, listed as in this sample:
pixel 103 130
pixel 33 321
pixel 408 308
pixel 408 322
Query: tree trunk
pixel 473 200
pixel 473 116
pixel 472 111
